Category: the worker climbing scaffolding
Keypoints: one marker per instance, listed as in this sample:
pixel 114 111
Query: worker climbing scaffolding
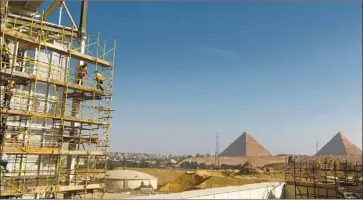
pixel 4 165
pixel 82 72
pixel 48 91
pixel 5 55
pixel 3 128
pixel 99 80
pixel 20 58
pixel 9 85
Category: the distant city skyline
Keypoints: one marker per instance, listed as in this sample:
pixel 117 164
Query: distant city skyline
pixel 290 73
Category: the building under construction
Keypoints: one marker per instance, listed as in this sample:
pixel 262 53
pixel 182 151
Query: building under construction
pixel 55 110
pixel 324 178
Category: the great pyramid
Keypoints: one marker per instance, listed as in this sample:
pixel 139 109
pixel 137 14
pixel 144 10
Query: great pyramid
pixel 245 145
pixel 340 145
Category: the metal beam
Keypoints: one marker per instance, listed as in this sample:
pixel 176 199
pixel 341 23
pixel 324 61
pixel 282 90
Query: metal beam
pixel 51 9
pixel 60 83
pixel 83 18
pixel 69 14
pixel 3 6
pixel 23 21
pixel 43 189
pixel 52 47
pixel 48 151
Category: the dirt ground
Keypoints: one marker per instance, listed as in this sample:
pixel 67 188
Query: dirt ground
pixel 177 180
pixel 212 178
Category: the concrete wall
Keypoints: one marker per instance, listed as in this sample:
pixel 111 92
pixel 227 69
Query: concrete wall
pixel 269 192
pixel 266 190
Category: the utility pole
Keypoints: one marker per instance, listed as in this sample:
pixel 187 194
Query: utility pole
pixel 317 146
pixel 216 152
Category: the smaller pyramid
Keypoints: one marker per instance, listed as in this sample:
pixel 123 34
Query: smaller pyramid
pixel 245 145
pixel 339 145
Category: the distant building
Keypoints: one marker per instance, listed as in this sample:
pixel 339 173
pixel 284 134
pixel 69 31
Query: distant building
pixel 118 180
pixel 340 145
pixel 245 145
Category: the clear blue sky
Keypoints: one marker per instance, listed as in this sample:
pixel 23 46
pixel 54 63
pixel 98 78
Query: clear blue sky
pixel 288 72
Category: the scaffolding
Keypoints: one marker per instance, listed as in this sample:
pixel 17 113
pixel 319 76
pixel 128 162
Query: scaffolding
pixel 55 134
pixel 324 178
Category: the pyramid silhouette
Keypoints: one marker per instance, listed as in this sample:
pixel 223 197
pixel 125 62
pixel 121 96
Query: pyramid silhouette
pixel 340 145
pixel 245 145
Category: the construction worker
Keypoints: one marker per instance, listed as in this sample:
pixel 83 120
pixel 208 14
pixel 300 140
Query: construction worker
pixel 3 128
pixel 99 80
pixel 4 165
pixel 20 57
pixel 291 160
pixel 8 92
pixel 82 72
pixel 5 56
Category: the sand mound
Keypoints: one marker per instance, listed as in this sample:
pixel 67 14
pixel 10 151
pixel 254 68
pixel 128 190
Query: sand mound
pixel 249 168
pixel 220 173
pixel 184 182
pixel 275 166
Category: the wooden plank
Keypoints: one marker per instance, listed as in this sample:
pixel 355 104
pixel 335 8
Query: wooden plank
pixel 79 187
pixel 47 151
pixel 56 48
pixel 51 9
pixel 82 141
pixel 311 184
pixel 50 116
pixel 57 82
pixel 83 96
pixel 36 24
pixel 43 189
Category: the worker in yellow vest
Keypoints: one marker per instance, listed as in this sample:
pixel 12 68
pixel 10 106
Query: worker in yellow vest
pixel 99 80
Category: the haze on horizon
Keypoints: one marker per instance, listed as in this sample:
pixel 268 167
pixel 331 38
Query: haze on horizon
pixel 288 72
